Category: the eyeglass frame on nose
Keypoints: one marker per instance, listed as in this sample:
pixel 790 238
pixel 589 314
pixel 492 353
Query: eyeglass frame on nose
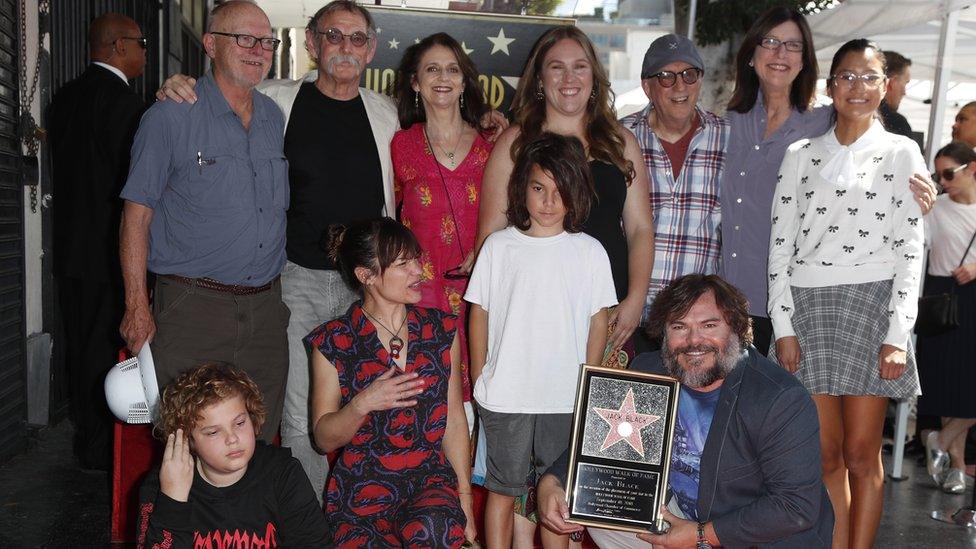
pixel 335 37
pixel 667 79
pixel 141 40
pixel 947 174
pixel 871 80
pixel 251 38
pixel 772 43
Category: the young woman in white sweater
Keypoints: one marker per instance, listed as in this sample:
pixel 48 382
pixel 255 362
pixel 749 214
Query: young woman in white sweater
pixel 845 257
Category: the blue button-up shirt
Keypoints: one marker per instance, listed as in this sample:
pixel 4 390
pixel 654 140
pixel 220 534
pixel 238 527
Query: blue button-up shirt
pixel 748 184
pixel 218 191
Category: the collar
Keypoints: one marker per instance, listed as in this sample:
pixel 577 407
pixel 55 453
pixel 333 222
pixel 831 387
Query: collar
pixel 840 167
pixel 113 70
pixel 208 90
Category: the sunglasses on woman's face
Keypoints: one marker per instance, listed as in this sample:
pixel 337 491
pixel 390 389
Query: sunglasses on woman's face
pixel 947 174
pixel 456 274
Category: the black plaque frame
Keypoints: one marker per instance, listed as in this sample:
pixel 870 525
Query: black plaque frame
pixel 616 493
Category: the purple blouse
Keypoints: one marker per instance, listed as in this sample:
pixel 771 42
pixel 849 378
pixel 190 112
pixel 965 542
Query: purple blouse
pixel 751 166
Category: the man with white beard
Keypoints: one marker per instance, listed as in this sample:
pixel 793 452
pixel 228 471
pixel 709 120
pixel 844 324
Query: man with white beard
pixel 745 467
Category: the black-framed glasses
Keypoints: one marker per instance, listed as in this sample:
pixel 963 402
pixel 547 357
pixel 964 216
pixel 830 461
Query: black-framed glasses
pixel 947 174
pixel 870 80
pixel 247 41
pixel 773 44
pixel 335 36
pixel 668 78
pixel 141 40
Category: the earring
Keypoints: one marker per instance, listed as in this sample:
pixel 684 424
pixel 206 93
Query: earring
pixel 593 94
pixel 462 99
pixel 751 64
pixel 538 93
pixel 416 101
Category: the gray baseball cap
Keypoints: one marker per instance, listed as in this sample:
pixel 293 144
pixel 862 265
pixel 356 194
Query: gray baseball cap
pixel 668 49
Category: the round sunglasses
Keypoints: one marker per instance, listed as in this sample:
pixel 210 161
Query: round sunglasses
pixel 668 79
pixel 947 174
pixel 335 36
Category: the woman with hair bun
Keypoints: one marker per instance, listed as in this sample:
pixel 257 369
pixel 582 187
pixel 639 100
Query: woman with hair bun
pixel 387 390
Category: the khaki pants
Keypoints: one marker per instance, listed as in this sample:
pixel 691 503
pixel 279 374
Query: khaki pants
pixel 195 325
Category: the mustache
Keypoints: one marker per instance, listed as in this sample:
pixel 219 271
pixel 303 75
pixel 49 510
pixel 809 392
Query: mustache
pixel 331 62
pixel 696 349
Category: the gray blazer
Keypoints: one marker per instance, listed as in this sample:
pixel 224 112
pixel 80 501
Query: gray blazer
pixel 761 480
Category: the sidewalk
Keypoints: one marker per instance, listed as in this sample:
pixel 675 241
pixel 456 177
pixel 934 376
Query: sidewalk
pixel 47 501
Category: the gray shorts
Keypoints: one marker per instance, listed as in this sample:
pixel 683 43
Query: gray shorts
pixel 520 444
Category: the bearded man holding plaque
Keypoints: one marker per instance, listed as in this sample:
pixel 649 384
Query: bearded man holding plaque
pixel 745 466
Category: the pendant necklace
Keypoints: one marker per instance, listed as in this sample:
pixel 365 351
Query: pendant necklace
pixel 449 155
pixel 395 343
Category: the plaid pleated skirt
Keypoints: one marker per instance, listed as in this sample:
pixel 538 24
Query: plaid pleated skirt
pixel 841 329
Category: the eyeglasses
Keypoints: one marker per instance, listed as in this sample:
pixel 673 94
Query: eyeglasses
pixel 667 78
pixel 141 40
pixel 947 174
pixel 771 43
pixel 871 80
pixel 335 36
pixel 247 41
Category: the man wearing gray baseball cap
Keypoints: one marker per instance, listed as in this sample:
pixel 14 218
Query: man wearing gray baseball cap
pixel 684 153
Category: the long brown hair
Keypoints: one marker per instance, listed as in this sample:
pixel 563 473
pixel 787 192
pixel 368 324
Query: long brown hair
pixel 601 130
pixel 473 107
pixel 804 87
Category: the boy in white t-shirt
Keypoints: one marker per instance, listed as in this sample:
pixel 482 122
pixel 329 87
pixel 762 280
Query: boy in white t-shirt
pixel 539 294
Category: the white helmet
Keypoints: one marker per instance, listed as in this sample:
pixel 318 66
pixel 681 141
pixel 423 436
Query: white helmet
pixel 131 389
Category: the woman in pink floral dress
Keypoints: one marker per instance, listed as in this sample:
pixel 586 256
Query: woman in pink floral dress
pixel 438 161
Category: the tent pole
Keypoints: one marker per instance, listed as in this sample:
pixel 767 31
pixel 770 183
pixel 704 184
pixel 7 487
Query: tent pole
pixel 692 15
pixel 943 70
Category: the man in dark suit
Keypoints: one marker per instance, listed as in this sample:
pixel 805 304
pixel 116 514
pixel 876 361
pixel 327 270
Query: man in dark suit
pixel 92 121
pixel 745 469
pixel 899 73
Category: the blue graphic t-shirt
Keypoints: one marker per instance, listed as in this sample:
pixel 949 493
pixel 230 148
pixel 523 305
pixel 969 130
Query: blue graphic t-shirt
pixel 695 412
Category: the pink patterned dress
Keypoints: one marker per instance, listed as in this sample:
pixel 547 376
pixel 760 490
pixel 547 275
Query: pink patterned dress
pixel 425 207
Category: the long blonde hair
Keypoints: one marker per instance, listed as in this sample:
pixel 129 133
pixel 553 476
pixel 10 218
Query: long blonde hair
pixel 601 130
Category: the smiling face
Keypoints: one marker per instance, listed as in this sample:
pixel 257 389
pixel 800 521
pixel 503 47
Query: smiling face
pixel 777 69
pixel 545 205
pixel 223 440
pixel 700 348
pixel 439 79
pixel 566 78
pixel 859 100
pixel 964 127
pixel 677 102
pixel 343 62
pixel 241 67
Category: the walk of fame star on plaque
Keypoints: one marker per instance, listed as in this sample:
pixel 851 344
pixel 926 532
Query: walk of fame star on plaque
pixel 625 424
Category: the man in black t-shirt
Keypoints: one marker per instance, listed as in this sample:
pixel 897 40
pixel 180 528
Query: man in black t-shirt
pixel 899 74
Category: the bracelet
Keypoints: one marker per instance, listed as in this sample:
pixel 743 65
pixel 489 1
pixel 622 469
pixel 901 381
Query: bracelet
pixel 702 542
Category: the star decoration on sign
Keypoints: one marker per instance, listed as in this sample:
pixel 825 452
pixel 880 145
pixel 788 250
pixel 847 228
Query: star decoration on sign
pixel 465 48
pixel 379 30
pixel 394 45
pixel 500 43
pixel 625 424
pixel 416 40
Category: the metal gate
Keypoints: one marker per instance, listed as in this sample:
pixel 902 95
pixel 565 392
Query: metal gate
pixel 13 393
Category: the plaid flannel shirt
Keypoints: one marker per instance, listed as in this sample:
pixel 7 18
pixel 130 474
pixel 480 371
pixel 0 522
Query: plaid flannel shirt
pixel 687 213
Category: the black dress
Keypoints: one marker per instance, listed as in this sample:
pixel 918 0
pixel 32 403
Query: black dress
pixel 604 221
pixel 946 366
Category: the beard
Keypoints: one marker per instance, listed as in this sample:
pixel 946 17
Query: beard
pixel 694 376
pixel 330 63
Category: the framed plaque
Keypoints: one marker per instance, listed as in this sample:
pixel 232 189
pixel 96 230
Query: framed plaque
pixel 620 451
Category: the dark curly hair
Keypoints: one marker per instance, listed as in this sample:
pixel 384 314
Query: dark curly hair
pixel 474 106
pixel 674 302
pixel 185 398
pixel 563 159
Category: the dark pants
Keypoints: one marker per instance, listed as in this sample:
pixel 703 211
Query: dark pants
pixel 195 325
pixel 91 312
pixel 762 333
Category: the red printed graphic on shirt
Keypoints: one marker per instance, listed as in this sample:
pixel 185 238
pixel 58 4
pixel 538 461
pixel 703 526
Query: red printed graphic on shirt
pixel 237 539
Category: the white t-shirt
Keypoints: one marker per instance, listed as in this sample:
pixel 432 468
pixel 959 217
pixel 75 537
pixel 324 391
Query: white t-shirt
pixel 846 215
pixel 539 294
pixel 948 229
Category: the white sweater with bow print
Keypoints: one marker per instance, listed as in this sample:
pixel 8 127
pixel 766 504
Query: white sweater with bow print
pixel 845 215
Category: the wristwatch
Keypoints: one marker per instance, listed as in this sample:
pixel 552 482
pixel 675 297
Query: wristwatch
pixel 702 542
